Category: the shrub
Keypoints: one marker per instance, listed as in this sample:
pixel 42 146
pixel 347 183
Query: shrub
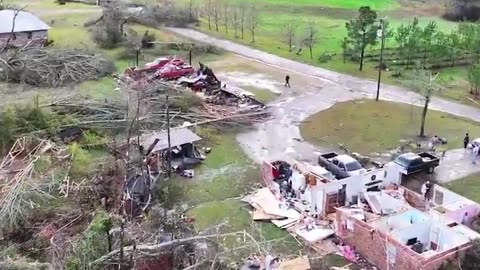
pixel 18 120
pixel 107 37
pixel 93 243
pixel 325 57
pixel 81 160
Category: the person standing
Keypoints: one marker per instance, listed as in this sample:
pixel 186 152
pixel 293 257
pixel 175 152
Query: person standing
pixel 287 81
pixel 427 190
pixel 475 151
pixel 466 141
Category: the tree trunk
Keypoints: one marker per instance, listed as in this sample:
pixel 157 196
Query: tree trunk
pixel 424 116
pixel 242 21
pixel 311 52
pixel 343 55
pixel 226 20
pixel 235 23
pixel 361 57
pixel 253 35
pixel 362 53
pixel 209 18
pixel 290 44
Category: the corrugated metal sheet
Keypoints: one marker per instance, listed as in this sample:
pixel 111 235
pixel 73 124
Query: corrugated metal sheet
pixel 177 138
pixel 24 22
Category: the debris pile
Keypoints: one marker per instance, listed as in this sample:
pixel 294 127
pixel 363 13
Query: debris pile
pixel 53 68
pixel 203 82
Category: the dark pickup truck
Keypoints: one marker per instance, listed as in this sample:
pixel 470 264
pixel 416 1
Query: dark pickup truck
pixel 412 163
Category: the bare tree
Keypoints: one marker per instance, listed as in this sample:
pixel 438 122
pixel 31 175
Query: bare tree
pixel 243 14
pixel 216 13
pixel 289 33
pixel 209 12
pixel 191 9
pixel 423 81
pixel 235 18
pixel 310 39
pixel 253 20
pixel 226 9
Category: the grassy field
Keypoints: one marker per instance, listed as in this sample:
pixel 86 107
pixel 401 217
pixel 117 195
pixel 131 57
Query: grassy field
pixel 349 4
pixel 368 127
pixel 330 17
pixel 468 187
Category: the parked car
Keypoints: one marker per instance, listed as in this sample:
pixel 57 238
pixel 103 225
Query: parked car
pixel 412 163
pixel 342 166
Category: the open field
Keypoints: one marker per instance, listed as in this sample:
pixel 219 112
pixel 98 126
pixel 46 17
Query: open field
pixel 371 127
pixel 349 4
pixel 329 18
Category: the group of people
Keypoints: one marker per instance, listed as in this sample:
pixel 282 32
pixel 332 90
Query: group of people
pixel 473 148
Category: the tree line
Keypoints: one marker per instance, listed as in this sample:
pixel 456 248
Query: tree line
pixel 239 16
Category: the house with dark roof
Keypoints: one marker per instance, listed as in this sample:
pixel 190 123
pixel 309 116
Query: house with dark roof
pixel 22 30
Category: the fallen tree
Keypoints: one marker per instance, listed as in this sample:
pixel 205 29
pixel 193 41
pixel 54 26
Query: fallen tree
pixel 53 68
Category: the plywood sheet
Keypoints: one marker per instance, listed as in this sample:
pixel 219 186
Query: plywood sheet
pixel 261 215
pixel 300 263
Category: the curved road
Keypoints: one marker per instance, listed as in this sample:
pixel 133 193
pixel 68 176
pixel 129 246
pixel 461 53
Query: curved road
pixel 280 137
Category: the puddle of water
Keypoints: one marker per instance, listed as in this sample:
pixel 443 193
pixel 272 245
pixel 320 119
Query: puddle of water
pixel 208 174
pixel 253 80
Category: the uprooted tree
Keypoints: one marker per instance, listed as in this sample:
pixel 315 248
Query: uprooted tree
pixel 109 29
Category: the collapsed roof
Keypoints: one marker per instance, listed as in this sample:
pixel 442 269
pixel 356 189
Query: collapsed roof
pixel 177 137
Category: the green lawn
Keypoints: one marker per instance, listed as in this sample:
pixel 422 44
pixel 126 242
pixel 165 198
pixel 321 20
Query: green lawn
pixel 367 127
pixel 468 187
pixel 347 4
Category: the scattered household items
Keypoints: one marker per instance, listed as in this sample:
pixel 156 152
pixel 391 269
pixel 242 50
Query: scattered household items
pixel 342 166
pixel 183 153
pixel 203 82
pixel 391 223
pixel 412 163
pixel 234 96
pixel 158 68
pixel 138 194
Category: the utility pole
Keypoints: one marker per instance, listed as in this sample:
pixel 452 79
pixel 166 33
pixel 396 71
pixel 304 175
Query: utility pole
pixel 381 34
pixel 169 170
pixel 190 56
pixel 137 54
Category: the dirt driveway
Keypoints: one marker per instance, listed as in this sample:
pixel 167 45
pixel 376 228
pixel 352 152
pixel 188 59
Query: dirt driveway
pixel 313 90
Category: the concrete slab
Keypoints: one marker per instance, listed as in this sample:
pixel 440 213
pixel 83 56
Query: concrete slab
pixel 456 164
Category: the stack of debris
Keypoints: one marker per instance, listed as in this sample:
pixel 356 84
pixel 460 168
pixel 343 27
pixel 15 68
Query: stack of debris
pixel 270 263
pixel 290 214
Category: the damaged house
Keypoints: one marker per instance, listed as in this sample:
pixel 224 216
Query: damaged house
pixel 21 28
pixel 183 152
pixel 408 238
pixel 367 210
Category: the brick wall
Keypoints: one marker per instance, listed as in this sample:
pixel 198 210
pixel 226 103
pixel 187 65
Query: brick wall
pixel 37 39
pixel 372 245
